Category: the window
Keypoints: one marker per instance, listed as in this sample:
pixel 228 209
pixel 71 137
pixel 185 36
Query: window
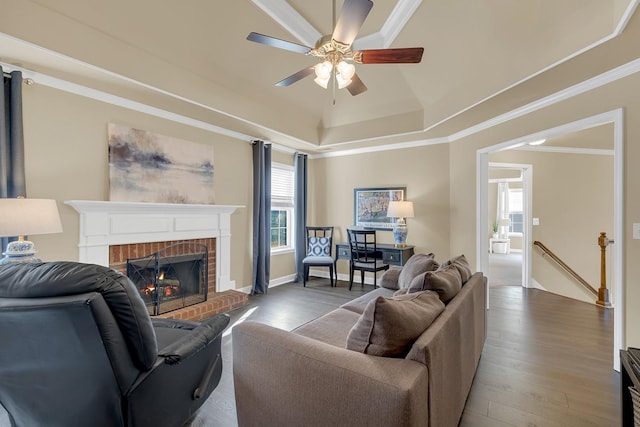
pixel 282 185
pixel 515 210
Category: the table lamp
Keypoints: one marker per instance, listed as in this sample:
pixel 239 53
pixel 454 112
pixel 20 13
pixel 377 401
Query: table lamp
pixel 400 210
pixel 22 217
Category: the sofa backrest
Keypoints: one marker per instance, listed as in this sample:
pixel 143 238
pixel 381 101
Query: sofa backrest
pixel 451 348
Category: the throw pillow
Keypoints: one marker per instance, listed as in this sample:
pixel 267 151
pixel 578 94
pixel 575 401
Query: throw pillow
pixel 319 246
pixel 415 265
pixel 389 278
pixel 446 281
pixel 461 263
pixel 389 326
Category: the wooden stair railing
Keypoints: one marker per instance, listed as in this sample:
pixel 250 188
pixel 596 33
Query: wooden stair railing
pixel 602 293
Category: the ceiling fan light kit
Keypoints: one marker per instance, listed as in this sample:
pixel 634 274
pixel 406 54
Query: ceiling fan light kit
pixel 335 52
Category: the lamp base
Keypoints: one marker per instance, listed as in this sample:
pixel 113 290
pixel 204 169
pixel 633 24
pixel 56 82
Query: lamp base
pixel 400 234
pixel 20 251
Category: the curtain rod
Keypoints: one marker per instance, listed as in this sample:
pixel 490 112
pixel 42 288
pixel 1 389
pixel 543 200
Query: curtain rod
pixel 26 80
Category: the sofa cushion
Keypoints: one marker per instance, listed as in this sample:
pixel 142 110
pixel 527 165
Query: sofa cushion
pixel 461 263
pixel 359 304
pixel 446 281
pixel 389 278
pixel 396 278
pixel 389 326
pixel 332 328
pixel 415 265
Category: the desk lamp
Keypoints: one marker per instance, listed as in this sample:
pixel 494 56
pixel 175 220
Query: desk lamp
pixel 22 217
pixel 400 210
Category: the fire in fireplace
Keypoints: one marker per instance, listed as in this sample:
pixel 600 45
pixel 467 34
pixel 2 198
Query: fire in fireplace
pixel 172 278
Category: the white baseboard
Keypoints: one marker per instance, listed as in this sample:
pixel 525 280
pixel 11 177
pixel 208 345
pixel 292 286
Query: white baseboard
pixel 272 283
pixel 368 280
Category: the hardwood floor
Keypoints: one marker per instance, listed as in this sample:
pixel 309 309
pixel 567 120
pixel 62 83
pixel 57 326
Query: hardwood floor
pixel 286 307
pixel 547 360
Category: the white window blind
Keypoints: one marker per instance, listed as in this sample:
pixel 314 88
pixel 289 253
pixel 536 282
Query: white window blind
pixel 282 185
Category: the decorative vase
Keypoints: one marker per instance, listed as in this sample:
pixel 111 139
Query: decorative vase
pixel 400 233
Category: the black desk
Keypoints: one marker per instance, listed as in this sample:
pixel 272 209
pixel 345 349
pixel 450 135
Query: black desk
pixel 390 253
pixel 629 376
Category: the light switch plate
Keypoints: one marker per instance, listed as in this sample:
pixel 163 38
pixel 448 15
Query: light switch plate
pixel 636 230
pixel 536 221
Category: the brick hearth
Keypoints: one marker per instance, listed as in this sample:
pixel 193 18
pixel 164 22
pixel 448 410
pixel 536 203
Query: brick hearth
pixel 217 302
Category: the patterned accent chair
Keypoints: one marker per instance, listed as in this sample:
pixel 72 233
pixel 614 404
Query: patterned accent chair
pixel 319 245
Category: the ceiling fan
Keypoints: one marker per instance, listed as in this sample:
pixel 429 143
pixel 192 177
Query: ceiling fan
pixel 335 53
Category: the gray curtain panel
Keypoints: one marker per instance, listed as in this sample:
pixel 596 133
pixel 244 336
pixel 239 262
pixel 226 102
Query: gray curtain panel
pixel 12 176
pixel 261 217
pixel 300 212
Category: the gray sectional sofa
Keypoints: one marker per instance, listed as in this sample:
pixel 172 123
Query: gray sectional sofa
pixel 321 374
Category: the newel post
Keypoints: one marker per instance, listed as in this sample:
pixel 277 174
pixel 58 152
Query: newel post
pixel 603 292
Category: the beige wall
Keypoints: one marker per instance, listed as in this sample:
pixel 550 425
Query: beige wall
pixel 423 171
pixel 573 198
pixel 67 158
pixel 620 94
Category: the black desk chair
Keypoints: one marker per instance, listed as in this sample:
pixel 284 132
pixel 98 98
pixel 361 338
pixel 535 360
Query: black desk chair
pixel 319 244
pixel 364 255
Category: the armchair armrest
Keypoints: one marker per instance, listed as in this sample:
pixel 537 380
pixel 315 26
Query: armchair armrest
pixel 202 333
pixel 282 378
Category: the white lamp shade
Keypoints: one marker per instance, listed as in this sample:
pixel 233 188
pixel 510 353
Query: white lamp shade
pixel 24 217
pixel 505 222
pixel 400 209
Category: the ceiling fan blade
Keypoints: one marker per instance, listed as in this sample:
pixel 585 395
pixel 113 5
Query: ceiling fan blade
pixel 281 44
pixel 295 77
pixel 352 16
pixel 356 87
pixel 408 55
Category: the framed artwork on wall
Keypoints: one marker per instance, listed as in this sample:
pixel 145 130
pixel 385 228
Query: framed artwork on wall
pixel 370 206
pixel 148 167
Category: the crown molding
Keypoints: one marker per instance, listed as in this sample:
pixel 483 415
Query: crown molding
pixel 579 88
pixel 605 78
pixel 400 15
pixel 289 19
pixel 567 150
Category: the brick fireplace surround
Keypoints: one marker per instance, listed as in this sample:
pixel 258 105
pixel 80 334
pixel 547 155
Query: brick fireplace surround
pixel 111 232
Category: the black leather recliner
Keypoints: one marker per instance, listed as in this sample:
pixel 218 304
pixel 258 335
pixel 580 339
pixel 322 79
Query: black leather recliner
pixel 78 348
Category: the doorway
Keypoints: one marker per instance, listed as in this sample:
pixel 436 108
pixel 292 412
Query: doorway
pixel 509 210
pixel 614 118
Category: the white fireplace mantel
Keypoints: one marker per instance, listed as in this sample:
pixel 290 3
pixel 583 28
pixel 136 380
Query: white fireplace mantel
pixel 119 223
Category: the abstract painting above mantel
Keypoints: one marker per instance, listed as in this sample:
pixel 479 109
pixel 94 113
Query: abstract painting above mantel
pixel 147 167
